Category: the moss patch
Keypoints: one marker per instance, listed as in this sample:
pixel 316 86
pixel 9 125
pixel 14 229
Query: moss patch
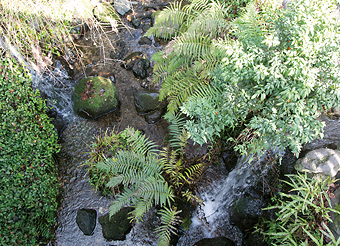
pixel 94 97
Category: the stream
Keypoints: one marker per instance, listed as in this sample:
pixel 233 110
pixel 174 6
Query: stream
pixel 76 135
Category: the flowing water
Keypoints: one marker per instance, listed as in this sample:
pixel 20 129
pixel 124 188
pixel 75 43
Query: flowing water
pixel 209 221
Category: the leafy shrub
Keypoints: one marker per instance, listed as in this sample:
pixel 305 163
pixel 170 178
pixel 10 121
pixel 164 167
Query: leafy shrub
pixel 302 215
pixel 278 74
pixel 27 170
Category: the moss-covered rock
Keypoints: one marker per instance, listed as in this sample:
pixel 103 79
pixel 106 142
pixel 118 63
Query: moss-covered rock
pixel 94 97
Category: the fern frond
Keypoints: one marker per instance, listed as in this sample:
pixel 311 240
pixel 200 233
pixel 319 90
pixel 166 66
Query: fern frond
pixel 169 21
pixel 191 197
pixel 129 177
pixel 176 128
pixel 126 161
pixel 139 142
pixel 194 172
pixel 122 200
pixel 155 190
pixel 192 45
pixel 169 220
pixel 140 208
pixel 250 28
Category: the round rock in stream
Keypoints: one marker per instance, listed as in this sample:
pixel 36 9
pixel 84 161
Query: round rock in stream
pixel 116 227
pixel 140 68
pixel 94 97
pixel 86 220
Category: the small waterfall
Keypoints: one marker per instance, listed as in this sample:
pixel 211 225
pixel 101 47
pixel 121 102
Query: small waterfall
pixel 213 219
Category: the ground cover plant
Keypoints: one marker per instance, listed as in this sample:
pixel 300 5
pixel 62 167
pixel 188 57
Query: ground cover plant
pixel 302 214
pixel 28 173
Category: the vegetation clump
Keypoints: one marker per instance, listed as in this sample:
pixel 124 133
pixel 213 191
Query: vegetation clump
pixel 28 172
pixel 302 215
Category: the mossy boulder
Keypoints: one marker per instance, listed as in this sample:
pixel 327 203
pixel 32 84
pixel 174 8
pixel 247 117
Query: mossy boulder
pixel 94 97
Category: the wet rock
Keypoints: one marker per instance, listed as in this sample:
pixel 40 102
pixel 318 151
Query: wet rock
pixel 116 227
pixel 140 68
pixel 147 104
pixel 130 60
pixel 217 241
pixel 94 97
pixel 122 6
pixel 331 137
pixel 145 40
pixel 57 120
pixel 320 161
pixel 136 22
pixel 119 52
pixel 146 27
pixel 154 117
pixel 246 211
pixel 147 101
pixel 335 225
pixel 86 220
pixel 104 12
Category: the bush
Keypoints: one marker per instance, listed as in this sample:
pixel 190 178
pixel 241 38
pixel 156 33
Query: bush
pixel 280 70
pixel 27 172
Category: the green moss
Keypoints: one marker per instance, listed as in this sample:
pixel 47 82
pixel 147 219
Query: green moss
pixel 94 96
pixel 28 173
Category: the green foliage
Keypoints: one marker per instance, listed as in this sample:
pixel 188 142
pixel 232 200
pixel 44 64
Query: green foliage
pixel 146 177
pixel 274 80
pixel 169 220
pixel 28 173
pixel 302 214
pixel 182 67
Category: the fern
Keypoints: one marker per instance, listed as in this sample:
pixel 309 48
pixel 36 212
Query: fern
pixel 185 63
pixel 169 219
pixel 138 142
pixel 178 137
pixel 193 172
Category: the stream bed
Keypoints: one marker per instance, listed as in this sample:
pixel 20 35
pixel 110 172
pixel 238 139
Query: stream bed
pixel 219 188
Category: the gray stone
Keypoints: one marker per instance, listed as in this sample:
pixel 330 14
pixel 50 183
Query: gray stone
pixel 122 6
pixel 147 101
pixel 246 211
pixel 140 68
pixel 153 117
pixel 116 227
pixel 86 220
pixel 94 97
pixel 145 40
pixel 320 161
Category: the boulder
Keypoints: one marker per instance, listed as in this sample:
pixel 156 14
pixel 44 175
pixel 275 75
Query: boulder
pixel 147 104
pixel 320 161
pixel 86 220
pixel 147 101
pixel 94 97
pixel 246 211
pixel 140 68
pixel 122 6
pixel 116 227
pixel 217 241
